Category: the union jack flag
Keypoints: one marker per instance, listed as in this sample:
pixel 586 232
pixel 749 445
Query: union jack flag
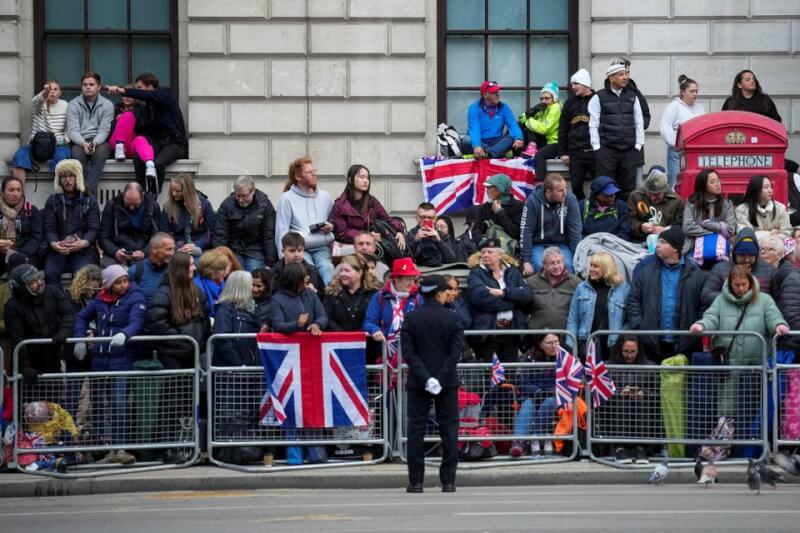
pixel 314 382
pixel 569 373
pixel 498 371
pixel 600 383
pixel 455 184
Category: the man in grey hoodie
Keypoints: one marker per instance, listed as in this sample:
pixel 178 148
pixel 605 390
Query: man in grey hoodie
pixel 89 118
pixel 305 208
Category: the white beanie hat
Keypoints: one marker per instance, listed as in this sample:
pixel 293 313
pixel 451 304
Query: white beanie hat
pixel 582 77
pixel 614 68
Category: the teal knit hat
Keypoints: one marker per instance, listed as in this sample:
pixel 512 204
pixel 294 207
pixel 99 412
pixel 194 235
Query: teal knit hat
pixel 552 88
pixel 502 183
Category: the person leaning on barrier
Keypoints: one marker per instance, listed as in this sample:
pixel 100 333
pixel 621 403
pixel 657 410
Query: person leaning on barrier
pixel 38 311
pixel 178 307
pixel 235 313
pixel 295 307
pixel 552 288
pixel 498 296
pixel 262 295
pixel 665 294
pixel 432 344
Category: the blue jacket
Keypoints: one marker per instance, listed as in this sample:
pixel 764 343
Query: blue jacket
pixel 481 126
pixel 147 277
pixel 533 381
pixel 549 224
pixel 286 308
pixel 182 231
pixel 485 306
pixel 615 219
pixel 235 352
pixel 461 308
pixel 581 310
pixel 126 315
pixel 379 312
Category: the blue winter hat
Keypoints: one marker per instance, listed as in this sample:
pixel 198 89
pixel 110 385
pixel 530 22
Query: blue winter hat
pixel 550 87
pixel 746 246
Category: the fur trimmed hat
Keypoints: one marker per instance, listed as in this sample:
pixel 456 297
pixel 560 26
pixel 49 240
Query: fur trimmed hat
pixel 68 166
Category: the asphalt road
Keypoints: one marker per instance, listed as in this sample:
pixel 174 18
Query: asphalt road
pixel 541 508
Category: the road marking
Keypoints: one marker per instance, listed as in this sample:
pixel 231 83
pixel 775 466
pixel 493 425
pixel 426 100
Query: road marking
pixel 198 494
pixel 671 512
pixel 313 518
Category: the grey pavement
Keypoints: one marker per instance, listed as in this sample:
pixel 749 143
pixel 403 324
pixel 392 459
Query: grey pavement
pixel 381 476
pixel 676 507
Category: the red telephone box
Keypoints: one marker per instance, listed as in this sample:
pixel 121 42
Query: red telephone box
pixel 736 144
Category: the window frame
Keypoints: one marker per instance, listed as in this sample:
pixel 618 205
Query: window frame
pixel 41 34
pixel 442 33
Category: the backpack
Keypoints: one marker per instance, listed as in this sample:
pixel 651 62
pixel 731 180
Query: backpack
pixel 43 146
pixel 387 249
pixel 449 141
pixel 495 231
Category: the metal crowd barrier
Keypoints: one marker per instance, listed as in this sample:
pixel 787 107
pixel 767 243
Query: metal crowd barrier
pixel 234 398
pixel 676 408
pixel 493 419
pixel 138 410
pixel 785 381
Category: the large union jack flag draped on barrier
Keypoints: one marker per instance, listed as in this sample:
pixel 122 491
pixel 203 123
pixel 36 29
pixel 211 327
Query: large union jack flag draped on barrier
pixel 455 184
pixel 314 382
pixel 569 374
pixel 599 378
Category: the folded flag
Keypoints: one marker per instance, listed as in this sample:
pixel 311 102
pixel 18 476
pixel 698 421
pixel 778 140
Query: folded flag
pixel 314 381
pixel 498 371
pixel 569 373
pixel 600 383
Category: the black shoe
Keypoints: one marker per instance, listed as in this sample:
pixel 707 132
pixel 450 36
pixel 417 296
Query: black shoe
pixel 448 487
pixel 414 487
pixel 621 457
pixel 640 456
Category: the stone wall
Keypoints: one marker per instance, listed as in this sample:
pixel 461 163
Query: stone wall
pixel 709 41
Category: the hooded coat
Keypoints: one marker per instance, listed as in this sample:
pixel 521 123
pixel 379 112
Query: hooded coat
pixel 119 230
pixel 545 223
pixel 718 276
pixel 614 219
pixel 78 215
pixel 235 352
pixel 126 315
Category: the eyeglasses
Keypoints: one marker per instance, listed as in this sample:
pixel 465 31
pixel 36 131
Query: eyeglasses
pixel 545 98
pixel 550 343
pixel 767 249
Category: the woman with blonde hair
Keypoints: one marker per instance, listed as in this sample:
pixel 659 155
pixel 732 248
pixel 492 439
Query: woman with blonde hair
pixel 187 215
pixel 212 269
pixel 598 303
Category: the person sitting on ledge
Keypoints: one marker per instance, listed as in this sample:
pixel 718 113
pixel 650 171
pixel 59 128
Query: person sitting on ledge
pixel 488 120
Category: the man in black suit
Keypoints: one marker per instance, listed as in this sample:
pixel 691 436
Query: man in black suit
pixel 432 344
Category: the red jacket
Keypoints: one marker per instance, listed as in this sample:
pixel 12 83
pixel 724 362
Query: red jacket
pixel 348 222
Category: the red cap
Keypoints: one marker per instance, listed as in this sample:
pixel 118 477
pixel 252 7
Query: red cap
pixel 490 87
pixel 404 267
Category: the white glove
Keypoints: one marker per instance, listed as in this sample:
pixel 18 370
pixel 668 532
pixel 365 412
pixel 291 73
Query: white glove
pixel 80 351
pixel 433 386
pixel 117 340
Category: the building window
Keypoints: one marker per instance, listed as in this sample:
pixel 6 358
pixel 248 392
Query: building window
pixel 118 39
pixel 520 44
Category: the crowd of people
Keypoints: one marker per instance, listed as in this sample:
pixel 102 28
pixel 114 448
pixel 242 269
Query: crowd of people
pixel 185 268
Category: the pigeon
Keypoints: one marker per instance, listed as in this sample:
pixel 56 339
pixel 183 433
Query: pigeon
pixel 708 475
pixel 698 467
pixel 789 463
pixel 768 475
pixel 753 478
pixel 659 474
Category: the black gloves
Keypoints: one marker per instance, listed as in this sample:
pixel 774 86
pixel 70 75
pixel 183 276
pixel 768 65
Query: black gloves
pixel 30 375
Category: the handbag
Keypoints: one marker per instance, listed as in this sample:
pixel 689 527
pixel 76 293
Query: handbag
pixel 723 354
pixel 711 248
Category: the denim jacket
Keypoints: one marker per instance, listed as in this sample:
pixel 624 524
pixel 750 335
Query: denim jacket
pixel 581 310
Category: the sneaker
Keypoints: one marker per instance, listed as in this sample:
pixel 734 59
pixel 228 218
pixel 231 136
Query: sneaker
pixel 529 151
pixel 119 152
pixel 621 457
pixel 150 170
pixel 641 456
pixel 517 450
pixel 110 457
pixel 536 448
pixel 548 447
pixel 124 458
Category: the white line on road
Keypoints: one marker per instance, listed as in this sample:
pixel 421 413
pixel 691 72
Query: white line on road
pixel 635 512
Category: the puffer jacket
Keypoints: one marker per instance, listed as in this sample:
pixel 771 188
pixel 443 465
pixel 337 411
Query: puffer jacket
pixel 176 354
pixel 613 220
pixel 786 293
pixel 248 231
pixel 126 315
pixel 763 272
pixel 287 307
pixel 581 310
pixel 544 123
pixel 773 216
pixel 761 316
pixel 348 222
pixel 78 215
pixel 485 306
pixel 117 230
pixel 235 352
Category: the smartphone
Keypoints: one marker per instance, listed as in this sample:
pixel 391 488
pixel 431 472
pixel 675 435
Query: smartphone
pixel 428 224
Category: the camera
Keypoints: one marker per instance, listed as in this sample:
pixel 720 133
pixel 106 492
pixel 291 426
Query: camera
pixel 316 228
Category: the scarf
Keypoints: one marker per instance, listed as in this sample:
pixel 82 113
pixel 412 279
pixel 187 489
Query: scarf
pixel 107 297
pixel 8 226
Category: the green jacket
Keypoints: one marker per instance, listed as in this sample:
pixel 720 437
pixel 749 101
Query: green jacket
pixel 544 123
pixel 762 316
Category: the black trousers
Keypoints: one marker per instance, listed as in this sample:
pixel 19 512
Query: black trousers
pixel 166 152
pixel 419 405
pixel 620 165
pixel 581 168
pixel 505 346
pixel 544 153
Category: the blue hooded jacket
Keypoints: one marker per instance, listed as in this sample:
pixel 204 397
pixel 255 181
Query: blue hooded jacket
pixel 481 126
pixel 614 219
pixel 548 224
